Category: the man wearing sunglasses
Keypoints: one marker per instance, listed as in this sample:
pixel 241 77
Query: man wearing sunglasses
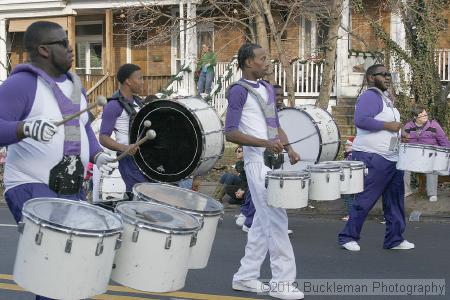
pixel 33 97
pixel 376 144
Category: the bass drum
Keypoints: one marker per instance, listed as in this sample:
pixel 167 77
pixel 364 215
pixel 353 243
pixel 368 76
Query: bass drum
pixel 313 133
pixel 189 139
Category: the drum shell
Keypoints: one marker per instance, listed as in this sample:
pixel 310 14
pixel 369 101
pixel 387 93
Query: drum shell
pixel 210 219
pixel 323 189
pixel 441 160
pixel 111 187
pixel 49 271
pixel 213 139
pixel 416 158
pixel 356 181
pixel 322 146
pixel 147 266
pixel 285 192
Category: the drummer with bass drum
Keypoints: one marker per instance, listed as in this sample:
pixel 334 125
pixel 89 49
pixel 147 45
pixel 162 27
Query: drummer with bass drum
pixel 118 116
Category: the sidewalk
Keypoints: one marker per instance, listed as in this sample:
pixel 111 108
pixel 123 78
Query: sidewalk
pixel 414 203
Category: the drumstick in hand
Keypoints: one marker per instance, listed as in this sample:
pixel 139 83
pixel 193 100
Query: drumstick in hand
pixel 99 101
pixel 149 135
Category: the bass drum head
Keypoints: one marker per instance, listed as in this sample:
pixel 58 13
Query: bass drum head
pixel 298 125
pixel 175 152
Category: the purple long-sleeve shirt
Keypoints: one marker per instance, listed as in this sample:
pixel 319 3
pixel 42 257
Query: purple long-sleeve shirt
pixel 17 96
pixel 369 105
pixel 430 133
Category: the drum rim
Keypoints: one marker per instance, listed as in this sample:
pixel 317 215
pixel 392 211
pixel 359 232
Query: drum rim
pixel 288 175
pixel 151 227
pixel 78 232
pixel 317 168
pixel 215 212
pixel 420 146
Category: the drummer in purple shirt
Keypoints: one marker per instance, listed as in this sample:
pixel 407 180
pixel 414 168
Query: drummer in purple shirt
pixel 118 116
pixel 421 130
pixel 376 144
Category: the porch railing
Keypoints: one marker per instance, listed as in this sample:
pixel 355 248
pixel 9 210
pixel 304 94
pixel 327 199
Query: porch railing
pixel 443 61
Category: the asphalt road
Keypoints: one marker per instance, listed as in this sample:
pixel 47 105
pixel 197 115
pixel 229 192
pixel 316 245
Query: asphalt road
pixel 317 255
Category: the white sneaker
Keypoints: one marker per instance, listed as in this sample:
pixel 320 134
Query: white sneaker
pixel 253 285
pixel 407 194
pixel 245 228
pixel 290 232
pixel 433 198
pixel 288 293
pixel 405 245
pixel 351 246
pixel 240 220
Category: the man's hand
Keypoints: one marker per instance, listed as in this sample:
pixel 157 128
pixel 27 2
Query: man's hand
pixel 40 130
pixel 392 126
pixel 133 149
pixel 105 164
pixel 294 157
pixel 275 146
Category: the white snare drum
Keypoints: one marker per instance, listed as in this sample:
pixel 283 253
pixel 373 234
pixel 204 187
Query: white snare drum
pixel 189 139
pixel 325 182
pixel 287 189
pixel 318 134
pixel 353 180
pixel 155 251
pixel 203 207
pixel 66 248
pixel 416 158
pixel 441 159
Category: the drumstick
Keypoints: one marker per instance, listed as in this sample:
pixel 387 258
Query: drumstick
pixel 149 135
pixel 99 101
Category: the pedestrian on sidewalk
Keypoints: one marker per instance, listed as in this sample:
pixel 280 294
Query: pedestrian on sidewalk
pixel 420 130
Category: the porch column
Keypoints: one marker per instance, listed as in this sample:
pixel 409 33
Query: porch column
pixel 109 50
pixel 72 39
pixel 342 50
pixel 398 35
pixel 3 51
pixel 191 46
pixel 183 86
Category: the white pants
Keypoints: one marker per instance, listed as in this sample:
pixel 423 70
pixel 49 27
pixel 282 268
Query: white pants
pixel 268 233
pixel 432 183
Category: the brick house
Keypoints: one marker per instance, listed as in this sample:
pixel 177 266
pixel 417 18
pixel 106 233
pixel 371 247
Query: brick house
pixel 96 31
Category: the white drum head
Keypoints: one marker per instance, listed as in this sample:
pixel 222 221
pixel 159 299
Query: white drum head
pixel 299 125
pixel 183 199
pixel 156 216
pixel 76 216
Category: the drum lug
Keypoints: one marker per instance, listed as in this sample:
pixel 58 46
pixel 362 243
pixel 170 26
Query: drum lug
pixel 21 227
pixel 303 184
pixel 38 237
pixel 135 236
pixel 201 221
pixel 168 242
pixel 68 247
pixel 118 242
pixel 328 177
pixel 266 182
pixel 351 174
pixel 281 182
pixel 193 240
pixel 99 249
pixel 342 176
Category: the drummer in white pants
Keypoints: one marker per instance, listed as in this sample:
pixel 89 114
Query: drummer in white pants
pixel 251 121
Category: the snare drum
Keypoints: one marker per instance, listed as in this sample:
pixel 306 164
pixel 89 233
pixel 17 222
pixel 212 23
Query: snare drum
pixel 325 182
pixel 416 158
pixel 353 180
pixel 66 248
pixel 287 189
pixel 155 251
pixel 203 207
pixel 441 159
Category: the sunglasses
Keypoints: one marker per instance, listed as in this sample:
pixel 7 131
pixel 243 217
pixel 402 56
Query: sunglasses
pixel 238 151
pixel 384 74
pixel 64 43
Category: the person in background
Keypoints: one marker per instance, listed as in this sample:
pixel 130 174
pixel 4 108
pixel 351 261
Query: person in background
pixel 205 66
pixel 420 130
pixel 230 179
pixel 348 198
pixel 279 95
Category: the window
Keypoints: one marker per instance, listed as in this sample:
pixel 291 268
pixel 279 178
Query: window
pixel 89 44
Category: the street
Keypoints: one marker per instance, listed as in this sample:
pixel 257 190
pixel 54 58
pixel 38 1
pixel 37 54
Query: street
pixel 318 256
